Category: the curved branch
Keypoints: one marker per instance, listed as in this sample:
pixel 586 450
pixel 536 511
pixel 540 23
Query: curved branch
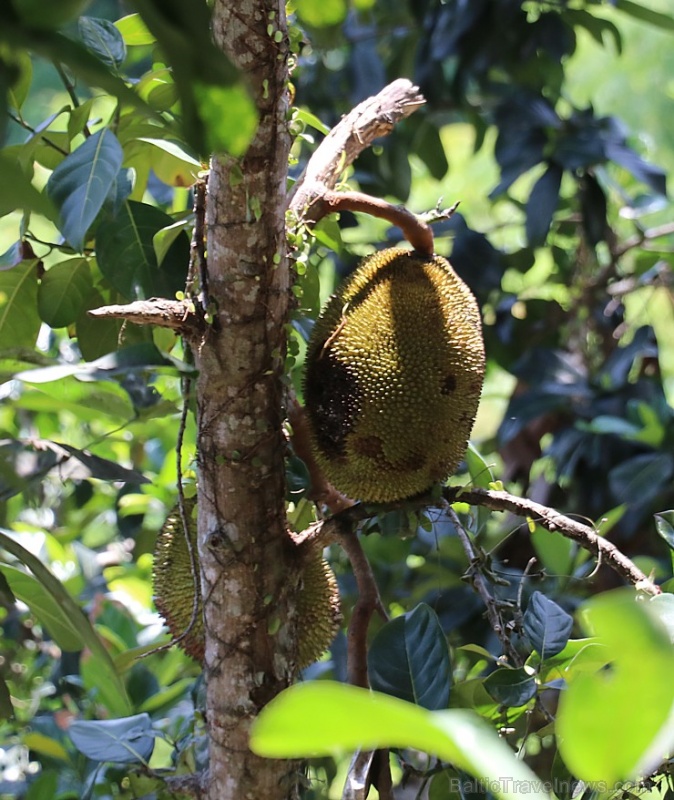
pixel 547 517
pixel 355 132
pixel 417 232
pixel 553 521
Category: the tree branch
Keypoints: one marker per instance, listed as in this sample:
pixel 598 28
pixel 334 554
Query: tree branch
pixel 480 583
pixel 179 315
pixel 369 120
pixel 547 517
pixel 553 521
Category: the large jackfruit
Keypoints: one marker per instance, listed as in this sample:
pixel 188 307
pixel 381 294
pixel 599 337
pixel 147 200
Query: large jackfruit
pixel 318 602
pixel 394 371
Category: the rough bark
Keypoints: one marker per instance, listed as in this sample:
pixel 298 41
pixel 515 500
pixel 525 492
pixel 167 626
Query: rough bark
pixel 248 569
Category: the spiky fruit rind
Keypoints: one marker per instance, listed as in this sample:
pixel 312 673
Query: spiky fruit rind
pixel 318 609
pixel 318 602
pixel 175 582
pixel 395 367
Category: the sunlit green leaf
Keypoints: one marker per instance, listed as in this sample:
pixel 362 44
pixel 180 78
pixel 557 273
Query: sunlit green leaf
pixel 314 719
pixel 134 31
pixel 634 693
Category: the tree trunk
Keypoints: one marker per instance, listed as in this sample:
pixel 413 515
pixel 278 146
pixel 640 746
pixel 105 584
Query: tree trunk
pixel 248 569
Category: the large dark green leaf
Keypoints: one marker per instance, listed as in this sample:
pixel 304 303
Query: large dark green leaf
pixel 126 254
pixel 511 687
pixel 546 625
pixel 82 181
pixel 641 478
pixel 409 659
pixel 129 740
pixel 542 205
pixel 19 319
pixel 63 292
pixel 103 39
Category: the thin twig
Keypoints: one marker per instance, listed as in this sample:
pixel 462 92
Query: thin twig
pixel 479 581
pixel 70 88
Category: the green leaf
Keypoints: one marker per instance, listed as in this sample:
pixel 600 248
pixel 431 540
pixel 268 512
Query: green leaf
pixel 554 551
pixel 63 292
pixel 129 740
pixel 96 336
pixel 171 162
pixel 546 625
pixel 321 13
pixel 45 608
pixel 134 30
pixel 117 699
pixel 228 115
pixel 102 39
pixel 19 319
pixel 639 11
pixel 409 659
pixel 312 120
pixel 18 91
pixel 634 693
pixel 163 239
pixel 542 205
pixel 17 191
pixel 138 357
pixel 511 687
pixel 126 256
pixel 664 524
pixel 81 182
pixel 323 718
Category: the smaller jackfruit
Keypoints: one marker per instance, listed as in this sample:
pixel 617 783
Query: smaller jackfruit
pixel 394 372
pixel 318 602
pixel 174 580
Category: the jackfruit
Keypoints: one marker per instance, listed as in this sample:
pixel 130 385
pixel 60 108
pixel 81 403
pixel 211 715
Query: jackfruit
pixel 318 601
pixel 394 371
pixel 174 580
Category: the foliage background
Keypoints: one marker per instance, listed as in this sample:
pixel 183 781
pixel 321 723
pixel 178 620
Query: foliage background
pixel 577 408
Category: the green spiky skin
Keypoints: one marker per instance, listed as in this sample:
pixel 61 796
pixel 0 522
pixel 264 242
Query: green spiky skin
pixel 395 367
pixel 174 581
pixel 318 601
